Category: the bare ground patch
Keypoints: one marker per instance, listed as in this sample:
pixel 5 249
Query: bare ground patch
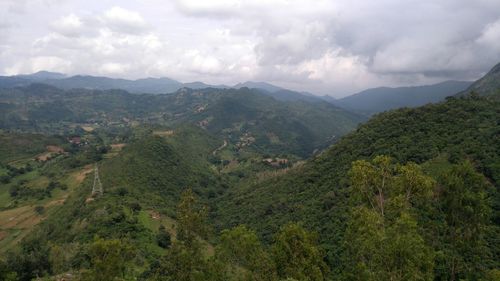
pixel 166 133
pixel 54 148
pixel 80 176
pixel 3 234
pixel 118 146
pixel 51 151
pixel 87 128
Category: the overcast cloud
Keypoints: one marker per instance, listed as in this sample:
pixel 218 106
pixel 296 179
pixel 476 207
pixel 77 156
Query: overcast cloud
pixel 333 47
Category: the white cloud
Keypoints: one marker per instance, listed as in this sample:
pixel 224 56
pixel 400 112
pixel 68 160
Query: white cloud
pixel 113 68
pixel 70 25
pixel 325 46
pixel 490 36
pixel 39 63
pixel 125 21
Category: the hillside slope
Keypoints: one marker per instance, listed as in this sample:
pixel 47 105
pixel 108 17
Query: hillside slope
pixel 316 193
pixel 146 178
pixel 246 116
pixel 242 116
pixel 487 85
pixel 380 99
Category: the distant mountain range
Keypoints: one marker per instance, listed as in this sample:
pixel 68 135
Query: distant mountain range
pixel 147 85
pixel 366 102
pixel 381 99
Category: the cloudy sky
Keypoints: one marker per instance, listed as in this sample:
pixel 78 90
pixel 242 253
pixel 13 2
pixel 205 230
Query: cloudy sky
pixel 333 47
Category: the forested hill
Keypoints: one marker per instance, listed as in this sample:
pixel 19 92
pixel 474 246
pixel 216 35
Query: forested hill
pixel 438 137
pixel 487 85
pixel 244 116
pixel 376 100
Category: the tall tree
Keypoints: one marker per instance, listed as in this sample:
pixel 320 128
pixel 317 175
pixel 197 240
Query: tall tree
pixel 110 260
pixel 464 202
pixel 297 254
pixel 191 218
pixel 240 248
pixel 186 259
pixel 382 238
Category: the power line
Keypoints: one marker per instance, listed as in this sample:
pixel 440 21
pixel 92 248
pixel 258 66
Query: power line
pixel 97 187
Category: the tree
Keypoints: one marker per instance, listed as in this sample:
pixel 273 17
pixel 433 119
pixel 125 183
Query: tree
pixel 382 239
pixel 6 273
pixel 31 261
pixel 185 260
pixel 191 218
pixel 40 209
pixel 240 248
pixel 163 237
pixel 297 255
pixel 465 205
pixel 388 188
pixel 109 259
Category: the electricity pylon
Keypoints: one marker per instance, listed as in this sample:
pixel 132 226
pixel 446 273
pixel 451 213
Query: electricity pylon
pixel 97 187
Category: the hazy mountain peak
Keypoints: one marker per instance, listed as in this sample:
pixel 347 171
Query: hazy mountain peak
pixel 42 75
pixel 379 99
pixel 259 85
pixel 488 84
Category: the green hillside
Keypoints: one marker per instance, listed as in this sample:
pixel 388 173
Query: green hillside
pixel 317 193
pixel 16 146
pixel 242 116
pixel 275 126
pixel 488 84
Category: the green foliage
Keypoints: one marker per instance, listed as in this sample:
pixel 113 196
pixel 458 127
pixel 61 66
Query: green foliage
pixel 318 194
pixel 163 238
pixel 382 237
pixel 40 210
pixel 30 260
pixel 5 273
pixel 191 219
pixel 492 275
pixel 387 188
pixel 488 84
pixel 185 261
pixel 109 260
pixel 466 208
pixel 155 171
pixel 240 248
pixel 18 146
pixel 297 254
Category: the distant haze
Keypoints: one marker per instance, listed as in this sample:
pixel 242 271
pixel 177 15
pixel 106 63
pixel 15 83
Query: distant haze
pixel 333 47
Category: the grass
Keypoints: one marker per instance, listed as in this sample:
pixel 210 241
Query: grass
pixel 4 196
pixel 115 149
pixel 3 171
pixel 17 222
pixel 152 221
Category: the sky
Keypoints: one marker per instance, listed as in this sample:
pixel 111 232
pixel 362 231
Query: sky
pixel 327 47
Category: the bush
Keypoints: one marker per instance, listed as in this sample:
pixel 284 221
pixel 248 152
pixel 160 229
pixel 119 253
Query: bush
pixel 40 209
pixel 163 238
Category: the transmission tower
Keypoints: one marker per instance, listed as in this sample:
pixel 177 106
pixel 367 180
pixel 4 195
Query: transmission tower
pixel 97 187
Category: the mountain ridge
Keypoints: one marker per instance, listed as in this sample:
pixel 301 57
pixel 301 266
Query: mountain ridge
pixel 489 84
pixel 379 99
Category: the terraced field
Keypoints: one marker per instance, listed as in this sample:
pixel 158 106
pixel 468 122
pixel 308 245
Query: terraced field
pixel 16 223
